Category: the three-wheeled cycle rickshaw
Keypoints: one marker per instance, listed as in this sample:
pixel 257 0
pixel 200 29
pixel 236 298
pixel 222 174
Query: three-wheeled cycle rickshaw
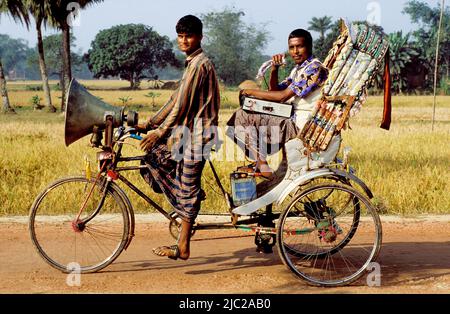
pixel 319 215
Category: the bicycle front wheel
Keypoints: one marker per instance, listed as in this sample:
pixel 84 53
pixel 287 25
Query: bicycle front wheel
pixel 329 235
pixel 87 242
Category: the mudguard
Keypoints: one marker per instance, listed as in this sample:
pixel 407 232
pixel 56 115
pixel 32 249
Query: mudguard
pixel 291 182
pixel 330 173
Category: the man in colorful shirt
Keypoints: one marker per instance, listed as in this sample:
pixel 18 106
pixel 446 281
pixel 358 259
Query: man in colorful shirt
pixel 181 133
pixel 301 89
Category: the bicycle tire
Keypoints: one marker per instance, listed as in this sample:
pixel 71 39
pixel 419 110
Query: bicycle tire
pixel 338 261
pixel 61 241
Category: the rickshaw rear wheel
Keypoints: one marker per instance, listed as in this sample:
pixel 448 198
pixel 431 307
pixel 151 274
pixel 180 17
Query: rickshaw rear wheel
pixel 326 239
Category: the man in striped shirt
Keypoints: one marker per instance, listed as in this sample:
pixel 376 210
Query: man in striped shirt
pixel 182 133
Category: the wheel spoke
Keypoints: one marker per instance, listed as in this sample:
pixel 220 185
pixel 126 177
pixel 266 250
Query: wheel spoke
pixel 93 245
pixel 336 254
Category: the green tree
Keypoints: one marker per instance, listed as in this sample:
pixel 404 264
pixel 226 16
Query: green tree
pixel 19 13
pixel 17 9
pixel 323 44
pixel 52 46
pixel 13 52
pixel 320 25
pixel 153 95
pixel 40 10
pixel 425 38
pixel 402 55
pixel 6 106
pixel 60 12
pixel 131 52
pixel 234 47
pixel 172 72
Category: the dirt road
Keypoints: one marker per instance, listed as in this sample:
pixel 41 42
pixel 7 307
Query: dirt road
pixel 415 258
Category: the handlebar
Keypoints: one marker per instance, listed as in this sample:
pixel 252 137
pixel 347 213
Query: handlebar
pixel 124 133
pixel 136 137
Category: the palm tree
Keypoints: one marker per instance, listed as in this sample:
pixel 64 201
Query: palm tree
pixel 40 10
pixel 21 10
pixel 19 13
pixel 321 25
pixel 17 9
pixel 60 10
pixel 6 107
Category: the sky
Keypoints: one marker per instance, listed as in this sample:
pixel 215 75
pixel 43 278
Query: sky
pixel 279 18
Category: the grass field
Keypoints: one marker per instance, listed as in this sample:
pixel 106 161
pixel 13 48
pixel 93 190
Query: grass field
pixel 406 168
pixel 112 92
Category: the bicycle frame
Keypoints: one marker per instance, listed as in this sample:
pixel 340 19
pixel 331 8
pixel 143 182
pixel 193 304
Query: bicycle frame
pixel 114 172
pixel 316 215
pixel 264 221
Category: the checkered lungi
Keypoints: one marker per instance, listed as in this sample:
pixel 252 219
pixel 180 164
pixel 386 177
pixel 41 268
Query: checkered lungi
pixel 261 133
pixel 180 181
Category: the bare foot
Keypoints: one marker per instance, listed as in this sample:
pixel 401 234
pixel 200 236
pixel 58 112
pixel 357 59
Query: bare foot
pixel 173 252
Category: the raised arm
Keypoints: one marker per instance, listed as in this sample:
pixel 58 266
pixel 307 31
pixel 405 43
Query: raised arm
pixel 277 62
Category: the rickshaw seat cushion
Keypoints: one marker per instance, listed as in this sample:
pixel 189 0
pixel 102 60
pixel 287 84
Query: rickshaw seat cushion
pixel 353 63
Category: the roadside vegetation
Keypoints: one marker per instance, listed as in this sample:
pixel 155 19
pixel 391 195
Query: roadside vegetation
pixel 407 168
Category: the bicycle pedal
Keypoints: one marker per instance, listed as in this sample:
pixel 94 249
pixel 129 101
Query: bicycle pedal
pixel 264 249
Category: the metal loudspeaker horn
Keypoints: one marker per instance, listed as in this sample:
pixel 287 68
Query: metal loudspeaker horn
pixel 86 114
